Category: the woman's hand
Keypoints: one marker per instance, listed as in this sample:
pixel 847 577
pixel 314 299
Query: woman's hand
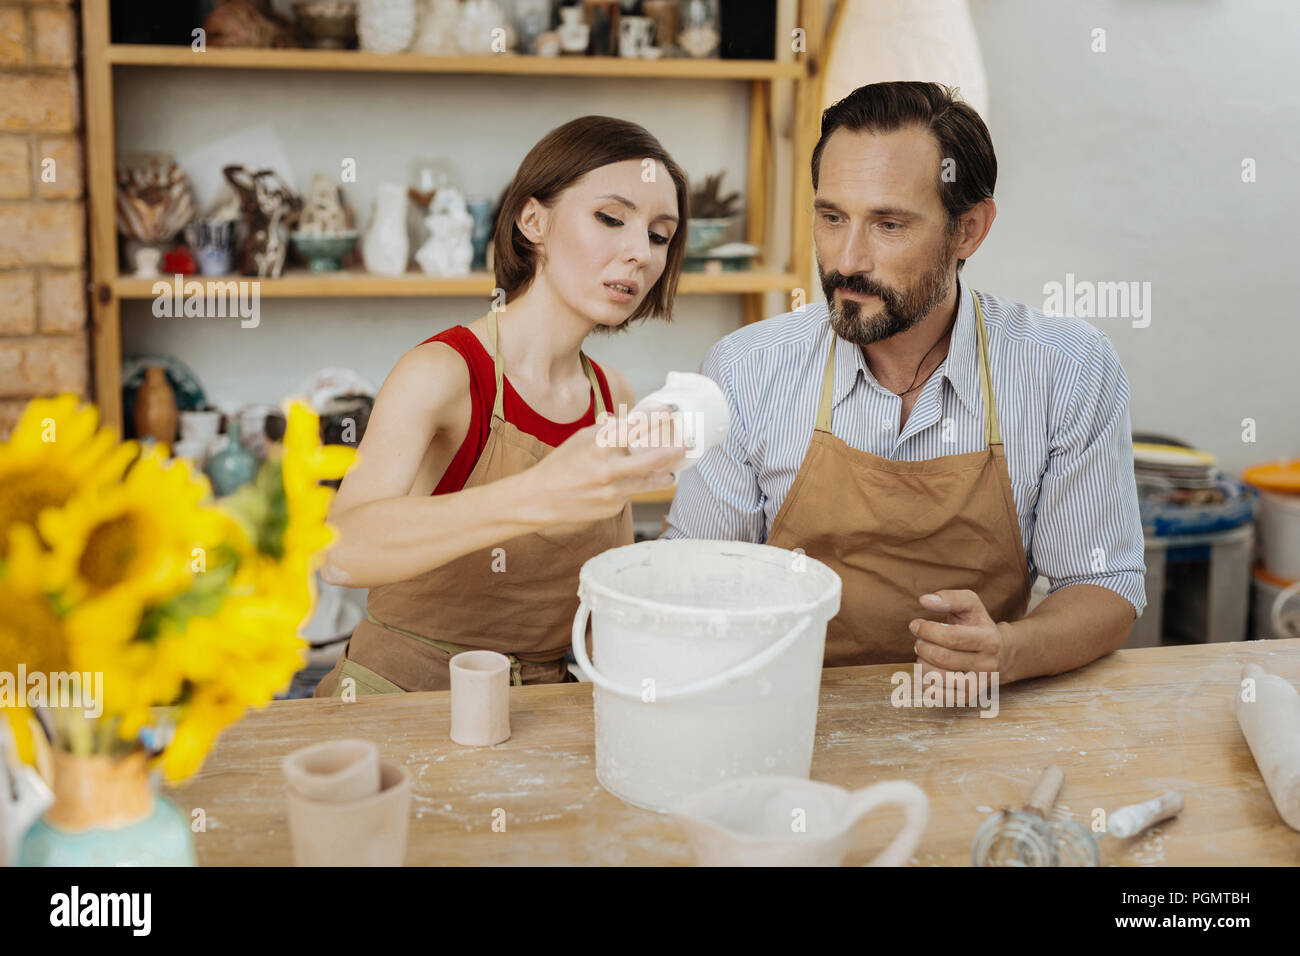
pixel 593 473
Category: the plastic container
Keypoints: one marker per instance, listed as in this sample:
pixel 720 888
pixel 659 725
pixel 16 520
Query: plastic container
pixel 708 662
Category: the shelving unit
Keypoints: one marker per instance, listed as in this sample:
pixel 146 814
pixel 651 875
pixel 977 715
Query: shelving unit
pixel 110 288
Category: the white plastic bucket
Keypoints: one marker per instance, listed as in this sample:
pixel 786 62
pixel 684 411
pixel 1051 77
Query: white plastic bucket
pixel 1279 534
pixel 708 660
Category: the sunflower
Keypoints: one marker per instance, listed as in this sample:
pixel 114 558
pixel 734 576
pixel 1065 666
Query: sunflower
pixel 306 463
pixel 53 453
pixel 139 539
pixel 32 632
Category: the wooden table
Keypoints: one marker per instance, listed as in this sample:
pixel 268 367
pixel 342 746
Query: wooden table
pixel 1123 729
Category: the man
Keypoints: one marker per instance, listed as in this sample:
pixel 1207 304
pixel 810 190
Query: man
pixel 938 448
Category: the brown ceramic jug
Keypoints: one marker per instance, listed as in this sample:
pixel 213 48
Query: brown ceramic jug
pixel 155 407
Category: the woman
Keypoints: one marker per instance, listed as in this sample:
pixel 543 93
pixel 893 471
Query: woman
pixel 461 515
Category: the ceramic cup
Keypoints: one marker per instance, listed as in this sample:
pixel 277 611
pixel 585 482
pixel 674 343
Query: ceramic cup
pixel 480 698
pixel 634 35
pixel 335 770
pixel 200 426
pixel 370 831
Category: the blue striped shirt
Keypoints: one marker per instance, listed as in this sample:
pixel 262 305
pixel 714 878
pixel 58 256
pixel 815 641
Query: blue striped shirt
pixel 1062 402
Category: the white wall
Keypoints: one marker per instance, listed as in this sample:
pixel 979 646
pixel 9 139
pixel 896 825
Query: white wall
pixel 1126 166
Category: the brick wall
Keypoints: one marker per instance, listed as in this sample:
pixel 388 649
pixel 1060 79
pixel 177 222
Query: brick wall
pixel 44 331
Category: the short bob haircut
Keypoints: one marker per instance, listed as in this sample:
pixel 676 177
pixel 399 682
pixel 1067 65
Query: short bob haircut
pixel 561 158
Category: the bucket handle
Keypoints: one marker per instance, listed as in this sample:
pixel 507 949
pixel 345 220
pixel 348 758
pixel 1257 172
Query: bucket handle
pixel 1279 628
pixel 743 669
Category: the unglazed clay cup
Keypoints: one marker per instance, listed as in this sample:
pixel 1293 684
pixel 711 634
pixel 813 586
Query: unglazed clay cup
pixel 336 771
pixel 480 698
pixel 366 832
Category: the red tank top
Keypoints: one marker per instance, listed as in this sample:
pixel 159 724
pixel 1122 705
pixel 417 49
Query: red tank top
pixel 482 396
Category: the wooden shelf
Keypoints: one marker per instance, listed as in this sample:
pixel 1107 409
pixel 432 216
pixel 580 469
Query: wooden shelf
pixel 302 284
pixel 125 54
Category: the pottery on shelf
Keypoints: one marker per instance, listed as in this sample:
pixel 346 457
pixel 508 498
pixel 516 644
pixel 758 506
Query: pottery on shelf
pixel 369 831
pixel 480 698
pixel 270 207
pixel 328 24
pixel 699 33
pixel 213 241
pixel 574 32
pixel 155 407
pixel 635 36
pixel 146 262
pixel 385 248
pixel 449 250
pixel 385 26
pixel 324 253
pixel 233 466
pixel 437 31
pixel 477 29
pixel 106 814
pixel 481 211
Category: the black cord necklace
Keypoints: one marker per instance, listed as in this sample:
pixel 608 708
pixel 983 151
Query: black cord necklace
pixel 914 386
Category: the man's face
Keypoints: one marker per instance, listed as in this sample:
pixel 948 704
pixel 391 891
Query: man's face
pixel 885 251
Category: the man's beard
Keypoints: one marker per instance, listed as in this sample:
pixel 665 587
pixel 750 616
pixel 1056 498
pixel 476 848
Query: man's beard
pixel 901 310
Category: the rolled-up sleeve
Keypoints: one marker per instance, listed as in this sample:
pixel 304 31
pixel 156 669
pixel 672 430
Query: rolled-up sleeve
pixel 720 497
pixel 1087 526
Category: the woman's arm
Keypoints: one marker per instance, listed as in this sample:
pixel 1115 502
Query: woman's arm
pixel 387 535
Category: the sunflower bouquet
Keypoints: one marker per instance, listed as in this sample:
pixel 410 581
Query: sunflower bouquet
pixel 118 566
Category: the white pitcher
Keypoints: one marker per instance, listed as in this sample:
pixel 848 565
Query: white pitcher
pixel 789 821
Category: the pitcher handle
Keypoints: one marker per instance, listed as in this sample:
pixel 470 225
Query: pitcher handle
pixel 743 669
pixel 916 809
pixel 1275 614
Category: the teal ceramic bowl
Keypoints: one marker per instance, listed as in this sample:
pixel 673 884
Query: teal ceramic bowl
pixel 324 253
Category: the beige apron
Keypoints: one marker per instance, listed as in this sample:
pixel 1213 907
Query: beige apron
pixel 894 530
pixel 517 597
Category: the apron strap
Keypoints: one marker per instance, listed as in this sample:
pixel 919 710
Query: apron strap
pixel 516 665
pixel 828 388
pixel 498 372
pixel 992 432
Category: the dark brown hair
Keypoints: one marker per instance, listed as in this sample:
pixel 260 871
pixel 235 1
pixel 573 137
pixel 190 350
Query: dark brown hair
pixel 561 158
pixel 961 135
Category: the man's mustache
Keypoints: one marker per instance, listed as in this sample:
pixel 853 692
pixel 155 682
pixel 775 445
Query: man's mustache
pixel 857 284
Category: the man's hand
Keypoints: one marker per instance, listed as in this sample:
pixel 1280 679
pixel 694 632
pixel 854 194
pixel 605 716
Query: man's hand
pixel 968 641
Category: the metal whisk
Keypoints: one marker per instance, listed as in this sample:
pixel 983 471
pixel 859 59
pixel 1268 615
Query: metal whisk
pixel 1023 837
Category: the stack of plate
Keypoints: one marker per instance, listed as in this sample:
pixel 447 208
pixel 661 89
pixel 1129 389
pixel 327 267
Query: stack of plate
pixel 1172 467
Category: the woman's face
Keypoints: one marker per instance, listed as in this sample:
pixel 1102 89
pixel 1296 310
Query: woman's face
pixel 605 239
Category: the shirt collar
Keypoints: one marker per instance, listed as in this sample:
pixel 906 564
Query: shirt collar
pixel 960 367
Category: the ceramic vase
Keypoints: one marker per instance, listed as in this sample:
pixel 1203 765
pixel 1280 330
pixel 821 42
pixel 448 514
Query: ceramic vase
pixel 385 26
pixel 574 32
pixel 386 246
pixel 105 813
pixel 234 466
pixel 155 407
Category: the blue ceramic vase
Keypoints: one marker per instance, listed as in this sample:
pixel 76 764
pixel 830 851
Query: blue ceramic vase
pixel 105 814
pixel 234 466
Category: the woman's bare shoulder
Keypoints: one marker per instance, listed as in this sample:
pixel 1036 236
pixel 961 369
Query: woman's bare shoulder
pixel 432 375
pixel 620 389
